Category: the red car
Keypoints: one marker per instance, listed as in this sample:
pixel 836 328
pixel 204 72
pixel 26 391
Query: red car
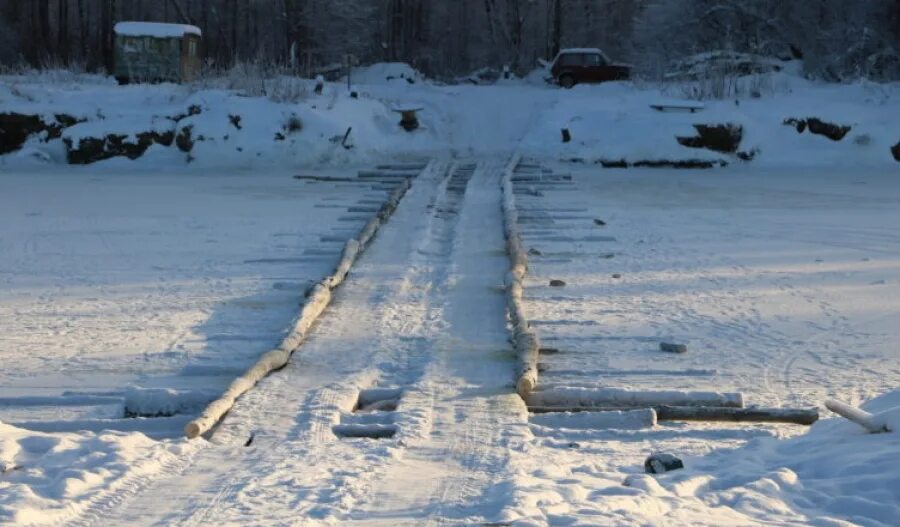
pixel 585 65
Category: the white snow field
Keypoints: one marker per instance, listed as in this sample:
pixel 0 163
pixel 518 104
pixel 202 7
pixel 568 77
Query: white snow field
pixel 783 285
pixel 144 295
pixel 132 292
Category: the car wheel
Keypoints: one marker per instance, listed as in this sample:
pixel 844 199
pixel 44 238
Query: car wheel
pixel 567 81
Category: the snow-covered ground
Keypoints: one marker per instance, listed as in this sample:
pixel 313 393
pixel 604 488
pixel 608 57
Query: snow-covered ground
pixel 145 294
pixel 783 284
pixel 143 287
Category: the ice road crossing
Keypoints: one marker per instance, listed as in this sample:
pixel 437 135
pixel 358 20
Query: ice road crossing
pixel 399 409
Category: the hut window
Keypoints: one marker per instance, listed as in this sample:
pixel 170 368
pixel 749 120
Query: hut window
pixel 192 48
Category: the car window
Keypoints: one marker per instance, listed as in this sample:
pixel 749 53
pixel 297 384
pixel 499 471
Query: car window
pixel 593 60
pixel 570 59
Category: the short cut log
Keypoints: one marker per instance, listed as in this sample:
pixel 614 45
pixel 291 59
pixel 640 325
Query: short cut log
pixel 858 416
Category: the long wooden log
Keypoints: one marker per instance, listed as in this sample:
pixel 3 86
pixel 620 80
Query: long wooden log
pixel 860 417
pixel 565 397
pixel 800 416
pixel 525 341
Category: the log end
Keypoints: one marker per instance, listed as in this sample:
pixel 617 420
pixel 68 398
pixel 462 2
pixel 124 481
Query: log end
pixel 192 430
pixel 524 387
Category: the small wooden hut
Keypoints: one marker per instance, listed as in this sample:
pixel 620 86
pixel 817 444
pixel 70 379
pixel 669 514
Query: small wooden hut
pixel 156 52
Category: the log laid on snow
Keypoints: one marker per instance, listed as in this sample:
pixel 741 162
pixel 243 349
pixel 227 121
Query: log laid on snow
pixel 568 398
pixel 861 417
pixel 525 341
pixel 316 302
pixel 617 419
pixel 800 416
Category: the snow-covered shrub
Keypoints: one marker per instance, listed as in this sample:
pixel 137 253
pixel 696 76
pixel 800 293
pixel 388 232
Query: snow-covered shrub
pixel 723 75
pixel 256 79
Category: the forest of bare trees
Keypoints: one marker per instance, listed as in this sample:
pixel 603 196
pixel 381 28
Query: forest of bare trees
pixel 839 39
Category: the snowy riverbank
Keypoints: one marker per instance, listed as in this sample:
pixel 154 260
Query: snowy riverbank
pixel 87 119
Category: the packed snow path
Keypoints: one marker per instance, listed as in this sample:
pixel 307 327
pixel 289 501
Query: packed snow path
pixel 423 312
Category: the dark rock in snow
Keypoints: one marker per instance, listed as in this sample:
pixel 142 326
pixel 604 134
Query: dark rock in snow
pixel 93 149
pixel 183 140
pixel 16 128
pixel 748 156
pixel 599 222
pixel 616 275
pixel 661 463
pixel 668 347
pixel 557 283
pixel 235 121
pixel 535 252
pixel 895 150
pixel 832 131
pixel 716 137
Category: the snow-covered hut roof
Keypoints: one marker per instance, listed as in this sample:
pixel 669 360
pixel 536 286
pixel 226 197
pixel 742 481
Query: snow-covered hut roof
pixel 155 29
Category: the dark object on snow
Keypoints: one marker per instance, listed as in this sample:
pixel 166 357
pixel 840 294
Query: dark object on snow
pixel 354 95
pixel 92 149
pixel 831 131
pixel 668 347
pixel 716 137
pixel 677 107
pixel 566 135
pixel 586 65
pixel 799 416
pixel 895 150
pixel 155 52
pixel 408 119
pixel 15 128
pixel 661 463
pixel 662 163
pixel 548 351
pixel 613 163
pixel 535 252
pixel 817 126
pixel 183 139
pixel 235 121
pixel 747 156
pixel 557 283
pixel 599 222
pixel 616 275
pixel 344 142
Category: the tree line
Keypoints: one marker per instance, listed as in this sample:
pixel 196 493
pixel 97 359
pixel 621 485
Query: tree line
pixel 838 39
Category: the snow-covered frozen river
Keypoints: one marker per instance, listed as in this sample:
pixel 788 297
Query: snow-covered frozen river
pixel 112 280
pixel 785 286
